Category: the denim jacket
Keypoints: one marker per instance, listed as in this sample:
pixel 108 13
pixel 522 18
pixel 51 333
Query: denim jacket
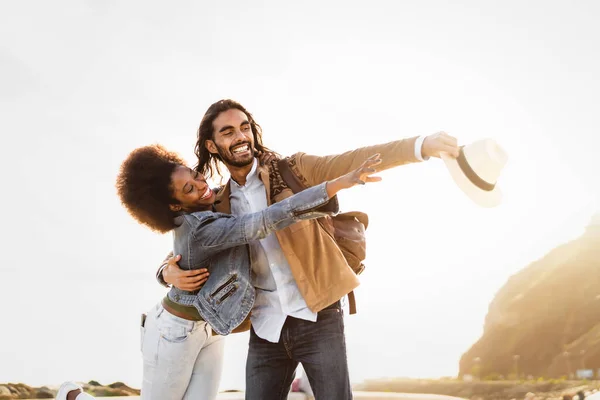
pixel 218 242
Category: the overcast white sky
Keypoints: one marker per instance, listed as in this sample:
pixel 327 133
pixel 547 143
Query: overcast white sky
pixel 82 83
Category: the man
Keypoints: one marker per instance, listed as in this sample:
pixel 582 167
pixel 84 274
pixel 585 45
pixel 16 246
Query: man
pixel 300 273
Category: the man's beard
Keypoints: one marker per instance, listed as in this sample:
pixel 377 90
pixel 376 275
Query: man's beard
pixel 227 157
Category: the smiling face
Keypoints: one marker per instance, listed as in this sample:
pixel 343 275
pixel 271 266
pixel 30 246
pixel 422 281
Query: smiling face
pixel 233 138
pixel 191 190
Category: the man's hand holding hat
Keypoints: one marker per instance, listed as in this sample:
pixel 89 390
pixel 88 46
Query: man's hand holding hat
pixel 475 168
pixel 438 143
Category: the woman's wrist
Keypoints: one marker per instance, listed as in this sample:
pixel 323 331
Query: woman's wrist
pixel 334 186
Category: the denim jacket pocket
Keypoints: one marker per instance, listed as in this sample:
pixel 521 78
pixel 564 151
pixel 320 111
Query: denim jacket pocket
pixel 224 290
pixel 223 296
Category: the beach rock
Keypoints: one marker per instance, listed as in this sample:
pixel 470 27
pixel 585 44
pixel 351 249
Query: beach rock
pixel 45 393
pixel 5 393
pixel 10 391
pixel 21 391
pixel 112 390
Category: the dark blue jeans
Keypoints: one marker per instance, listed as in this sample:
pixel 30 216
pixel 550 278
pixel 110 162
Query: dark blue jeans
pixel 320 347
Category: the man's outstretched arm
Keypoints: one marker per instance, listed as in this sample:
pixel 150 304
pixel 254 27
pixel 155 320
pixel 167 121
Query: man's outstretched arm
pixel 316 169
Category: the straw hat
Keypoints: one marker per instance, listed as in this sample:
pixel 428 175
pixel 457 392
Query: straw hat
pixel 476 171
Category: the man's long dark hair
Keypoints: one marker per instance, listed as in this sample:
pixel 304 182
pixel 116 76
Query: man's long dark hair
pixel 208 163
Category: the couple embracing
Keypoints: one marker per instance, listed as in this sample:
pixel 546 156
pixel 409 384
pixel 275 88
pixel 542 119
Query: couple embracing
pixel 249 255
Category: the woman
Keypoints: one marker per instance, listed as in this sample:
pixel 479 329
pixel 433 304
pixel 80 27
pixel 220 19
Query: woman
pixel 182 357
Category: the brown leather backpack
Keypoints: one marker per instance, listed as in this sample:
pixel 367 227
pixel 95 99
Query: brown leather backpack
pixel 347 229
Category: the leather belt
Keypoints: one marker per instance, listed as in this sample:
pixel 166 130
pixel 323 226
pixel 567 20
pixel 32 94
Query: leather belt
pixel 177 313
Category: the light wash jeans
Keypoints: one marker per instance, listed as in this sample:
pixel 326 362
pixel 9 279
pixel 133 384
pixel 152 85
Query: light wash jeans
pixel 182 360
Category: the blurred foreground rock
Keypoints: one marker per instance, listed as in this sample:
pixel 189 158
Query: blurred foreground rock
pixel 9 391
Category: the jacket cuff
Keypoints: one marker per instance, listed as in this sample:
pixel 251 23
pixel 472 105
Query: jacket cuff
pixel 159 276
pixel 331 207
pixel 312 200
pixel 419 149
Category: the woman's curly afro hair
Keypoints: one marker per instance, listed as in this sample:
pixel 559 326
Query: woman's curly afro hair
pixel 144 186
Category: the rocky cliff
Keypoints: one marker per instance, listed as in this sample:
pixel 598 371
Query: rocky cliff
pixel 545 321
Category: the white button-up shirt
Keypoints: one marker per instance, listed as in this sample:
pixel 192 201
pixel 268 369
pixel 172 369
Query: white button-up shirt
pixel 277 294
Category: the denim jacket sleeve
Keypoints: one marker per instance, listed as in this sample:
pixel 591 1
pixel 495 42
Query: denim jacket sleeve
pixel 214 232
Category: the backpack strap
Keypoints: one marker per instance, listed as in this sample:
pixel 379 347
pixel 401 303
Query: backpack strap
pixel 289 177
pixel 351 303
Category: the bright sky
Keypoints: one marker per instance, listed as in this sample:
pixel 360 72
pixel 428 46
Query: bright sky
pixel 84 83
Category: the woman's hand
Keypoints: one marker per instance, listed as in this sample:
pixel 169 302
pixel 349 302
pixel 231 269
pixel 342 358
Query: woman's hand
pixel 359 176
pixel 266 157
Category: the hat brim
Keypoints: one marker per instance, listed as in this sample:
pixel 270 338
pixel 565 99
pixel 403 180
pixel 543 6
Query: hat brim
pixel 482 198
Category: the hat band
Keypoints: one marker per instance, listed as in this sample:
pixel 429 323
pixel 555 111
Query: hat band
pixel 471 174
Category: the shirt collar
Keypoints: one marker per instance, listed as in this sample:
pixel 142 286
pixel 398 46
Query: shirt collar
pixel 251 177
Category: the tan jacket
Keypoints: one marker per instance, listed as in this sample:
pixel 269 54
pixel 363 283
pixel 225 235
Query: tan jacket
pixel 317 264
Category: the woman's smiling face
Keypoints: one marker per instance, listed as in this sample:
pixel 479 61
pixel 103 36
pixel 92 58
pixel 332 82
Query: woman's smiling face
pixel 191 190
